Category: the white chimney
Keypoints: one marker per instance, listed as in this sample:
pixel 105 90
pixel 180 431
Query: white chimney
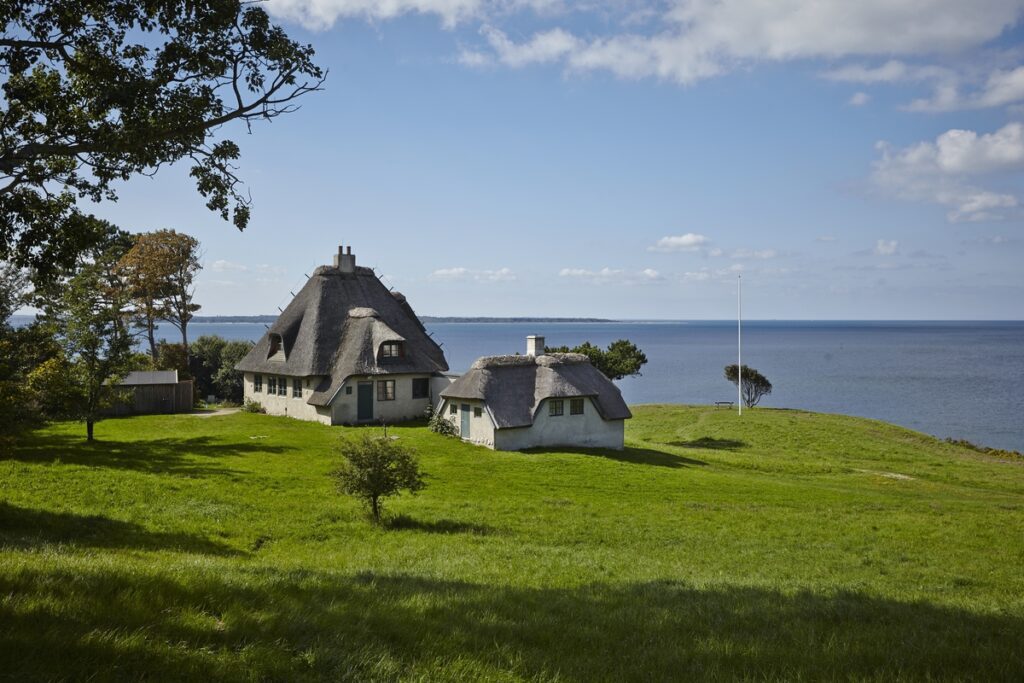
pixel 534 345
pixel 345 260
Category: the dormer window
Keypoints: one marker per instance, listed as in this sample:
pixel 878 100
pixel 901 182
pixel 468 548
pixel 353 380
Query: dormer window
pixel 276 348
pixel 391 351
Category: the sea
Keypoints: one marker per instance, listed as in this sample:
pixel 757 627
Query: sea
pixel 962 380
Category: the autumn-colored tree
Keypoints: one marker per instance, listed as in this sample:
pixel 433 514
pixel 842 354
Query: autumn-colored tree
pixel 160 270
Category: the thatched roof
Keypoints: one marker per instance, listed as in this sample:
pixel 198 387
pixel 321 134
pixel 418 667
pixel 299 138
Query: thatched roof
pixel 514 386
pixel 334 327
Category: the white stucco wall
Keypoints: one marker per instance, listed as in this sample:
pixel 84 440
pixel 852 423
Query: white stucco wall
pixel 287 405
pixel 481 429
pixel 588 430
pixel 345 407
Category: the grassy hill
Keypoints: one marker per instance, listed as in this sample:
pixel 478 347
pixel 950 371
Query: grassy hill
pixel 780 545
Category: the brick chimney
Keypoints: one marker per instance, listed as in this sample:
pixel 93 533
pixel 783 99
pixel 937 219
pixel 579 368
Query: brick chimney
pixel 534 345
pixel 345 260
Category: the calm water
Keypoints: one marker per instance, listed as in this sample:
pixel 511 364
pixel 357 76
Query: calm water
pixel 958 379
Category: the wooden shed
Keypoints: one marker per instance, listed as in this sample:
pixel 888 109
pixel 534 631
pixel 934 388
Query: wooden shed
pixel 154 392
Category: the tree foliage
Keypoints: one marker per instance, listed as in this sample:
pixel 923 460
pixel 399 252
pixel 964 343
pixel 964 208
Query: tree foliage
pixel 160 270
pixel 213 364
pixel 91 319
pixel 621 359
pixel 22 349
pixel 98 91
pixel 375 468
pixel 755 385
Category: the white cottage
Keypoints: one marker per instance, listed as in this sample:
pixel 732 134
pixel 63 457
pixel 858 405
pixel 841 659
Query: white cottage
pixel 538 400
pixel 346 350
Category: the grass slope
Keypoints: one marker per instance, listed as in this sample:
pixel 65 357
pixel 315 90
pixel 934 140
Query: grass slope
pixel 781 545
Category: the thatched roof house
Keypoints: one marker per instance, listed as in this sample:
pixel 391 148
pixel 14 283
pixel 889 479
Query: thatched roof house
pixel 345 350
pixel 516 402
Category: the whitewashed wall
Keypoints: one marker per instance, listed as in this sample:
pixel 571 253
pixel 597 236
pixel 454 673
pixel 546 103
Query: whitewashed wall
pixel 345 405
pixel 588 430
pixel 287 405
pixel 481 429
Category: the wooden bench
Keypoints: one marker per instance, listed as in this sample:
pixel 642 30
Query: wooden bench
pixel 724 404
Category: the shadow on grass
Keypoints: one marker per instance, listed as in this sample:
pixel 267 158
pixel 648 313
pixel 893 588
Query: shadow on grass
pixel 264 624
pixel 193 456
pixel 27 528
pixel 638 456
pixel 438 526
pixel 709 443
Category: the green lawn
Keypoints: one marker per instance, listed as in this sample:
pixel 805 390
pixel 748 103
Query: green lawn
pixel 782 544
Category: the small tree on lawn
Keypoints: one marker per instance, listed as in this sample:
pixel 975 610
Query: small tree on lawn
pixel 755 385
pixel 375 468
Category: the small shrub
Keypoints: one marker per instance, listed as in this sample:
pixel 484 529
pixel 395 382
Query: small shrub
pixel 252 406
pixel 438 424
pixel 375 468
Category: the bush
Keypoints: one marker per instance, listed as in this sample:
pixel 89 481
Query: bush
pixel 375 468
pixel 437 423
pixel 252 406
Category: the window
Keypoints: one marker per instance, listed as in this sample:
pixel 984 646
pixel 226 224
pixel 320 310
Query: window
pixel 271 385
pixel 453 409
pixel 296 388
pixel 282 387
pixel 477 411
pixel 391 351
pixel 576 406
pixel 421 387
pixel 348 391
pixel 386 390
pixel 275 352
pixel 556 407
pixel 257 383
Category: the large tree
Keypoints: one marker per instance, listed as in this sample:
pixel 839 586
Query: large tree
pixel 160 271
pixel 98 91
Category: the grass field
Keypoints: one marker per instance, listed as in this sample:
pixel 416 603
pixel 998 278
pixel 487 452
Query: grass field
pixel 783 545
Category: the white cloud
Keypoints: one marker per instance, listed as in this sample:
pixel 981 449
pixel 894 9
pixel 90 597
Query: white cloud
pixel 611 276
pixel 322 14
pixel 702 38
pixel 754 253
pixel 941 171
pixel 1001 88
pixel 826 238
pixel 886 247
pixel 893 71
pixel 545 47
pixel 460 274
pixel 859 99
pixel 224 266
pixel 691 241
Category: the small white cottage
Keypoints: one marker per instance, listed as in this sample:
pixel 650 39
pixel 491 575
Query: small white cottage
pixel 346 350
pixel 538 400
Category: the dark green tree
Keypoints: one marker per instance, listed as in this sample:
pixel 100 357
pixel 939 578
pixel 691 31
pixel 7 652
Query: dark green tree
pixel 213 367
pixel 95 92
pixel 621 359
pixel 375 468
pixel 22 350
pixel 755 385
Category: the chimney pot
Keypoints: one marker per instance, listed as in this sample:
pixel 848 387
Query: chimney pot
pixel 345 261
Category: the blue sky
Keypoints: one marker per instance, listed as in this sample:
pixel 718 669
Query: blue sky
pixel 630 159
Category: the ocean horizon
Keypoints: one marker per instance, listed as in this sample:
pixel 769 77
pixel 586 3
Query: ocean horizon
pixel 950 378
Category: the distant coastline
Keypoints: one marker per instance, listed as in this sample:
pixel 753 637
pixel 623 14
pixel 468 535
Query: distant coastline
pixel 424 318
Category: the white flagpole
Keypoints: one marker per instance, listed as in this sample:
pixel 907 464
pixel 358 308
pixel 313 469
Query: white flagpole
pixel 739 342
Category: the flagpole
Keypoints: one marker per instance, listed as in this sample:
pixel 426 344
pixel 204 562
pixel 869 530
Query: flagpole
pixel 739 342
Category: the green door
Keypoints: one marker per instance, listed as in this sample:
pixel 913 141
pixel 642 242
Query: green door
pixel 365 410
pixel 464 432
